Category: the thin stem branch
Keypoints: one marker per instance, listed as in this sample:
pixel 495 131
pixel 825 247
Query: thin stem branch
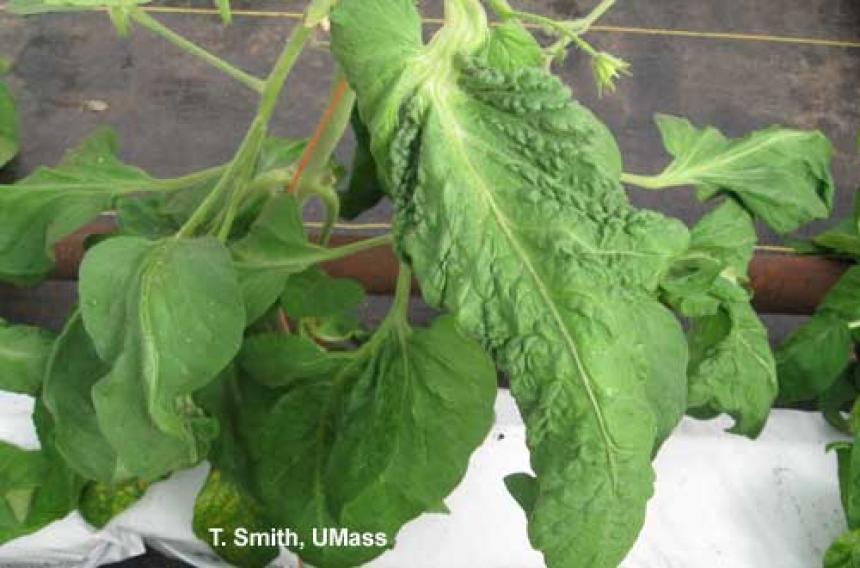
pixel 275 82
pixel 160 29
pixel 402 291
pixel 335 253
pixel 251 143
pixel 327 134
pixel 187 180
pixel 645 182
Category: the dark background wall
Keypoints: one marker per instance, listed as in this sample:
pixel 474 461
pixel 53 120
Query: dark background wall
pixel 175 115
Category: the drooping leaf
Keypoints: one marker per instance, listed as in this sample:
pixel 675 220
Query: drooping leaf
pixel 842 239
pixel 275 249
pixel 223 504
pixel 837 399
pixel 72 371
pixel 732 369
pixel 22 472
pixel 845 552
pixel 781 175
pixel 377 443
pixel 721 246
pixel 51 203
pixel 36 487
pixel 9 122
pixel 363 187
pixel 101 502
pixel 167 317
pixel 812 358
pixel 24 353
pixel 326 306
pixel 278 360
pixel 510 211
pixel 313 294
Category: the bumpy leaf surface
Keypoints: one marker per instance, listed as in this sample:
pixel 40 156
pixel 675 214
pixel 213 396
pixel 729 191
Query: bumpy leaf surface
pixel 732 369
pixel 510 211
pixel 167 317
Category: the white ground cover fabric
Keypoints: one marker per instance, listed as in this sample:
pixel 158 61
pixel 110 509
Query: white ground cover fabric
pixel 720 501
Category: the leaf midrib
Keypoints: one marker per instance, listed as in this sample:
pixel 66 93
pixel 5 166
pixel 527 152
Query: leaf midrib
pixel 448 118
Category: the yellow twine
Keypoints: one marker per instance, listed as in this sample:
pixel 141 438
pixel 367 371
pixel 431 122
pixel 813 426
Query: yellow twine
pixel 761 38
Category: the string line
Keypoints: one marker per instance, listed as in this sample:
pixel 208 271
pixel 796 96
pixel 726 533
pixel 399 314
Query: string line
pixel 660 32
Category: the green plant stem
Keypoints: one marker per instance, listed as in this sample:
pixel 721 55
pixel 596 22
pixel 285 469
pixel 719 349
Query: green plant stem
pixel 160 29
pixel 187 180
pixel 332 128
pixel 327 255
pixel 268 102
pixel 648 182
pixel 308 181
pixel 240 168
pixel 402 293
pixel 275 82
pixel 250 146
pixel 568 31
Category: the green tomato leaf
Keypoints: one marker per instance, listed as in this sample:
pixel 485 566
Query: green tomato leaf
pixel 225 505
pixel 834 400
pixel 812 358
pixel 24 353
pixel 9 124
pixel 278 360
pixel 36 487
pixel 843 300
pixel 167 317
pixel 782 176
pixel 72 371
pixel 101 502
pixel 363 188
pixel 845 552
pixel 662 363
pixel 510 211
pixel 511 46
pixel 22 472
pixel 52 203
pixel 732 369
pixel 849 473
pixel 841 239
pixel 380 441
pixel 313 294
pixel 275 248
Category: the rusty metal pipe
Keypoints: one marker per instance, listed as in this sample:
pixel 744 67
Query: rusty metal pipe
pixel 783 283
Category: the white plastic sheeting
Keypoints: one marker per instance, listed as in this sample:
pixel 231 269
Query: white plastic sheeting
pixel 720 501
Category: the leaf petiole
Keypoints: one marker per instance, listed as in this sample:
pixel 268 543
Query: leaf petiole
pixel 153 25
pixel 648 182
